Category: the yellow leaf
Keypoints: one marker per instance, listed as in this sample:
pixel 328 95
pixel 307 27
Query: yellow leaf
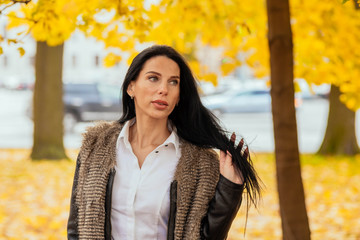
pixel 21 51
pixel 11 41
pixel 111 59
pixel 55 225
pixel 195 67
pixel 132 56
pixel 297 86
pixel 211 77
pixel 268 83
pixel 227 68
pixel 20 33
pixel 1 50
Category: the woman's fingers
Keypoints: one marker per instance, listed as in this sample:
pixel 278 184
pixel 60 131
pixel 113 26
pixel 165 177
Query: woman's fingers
pixel 222 156
pixel 232 142
pixel 240 145
pixel 225 160
pixel 227 168
pixel 222 160
pixel 228 159
pixel 232 139
pixel 246 153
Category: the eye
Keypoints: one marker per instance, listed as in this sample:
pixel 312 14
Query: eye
pixel 174 82
pixel 153 78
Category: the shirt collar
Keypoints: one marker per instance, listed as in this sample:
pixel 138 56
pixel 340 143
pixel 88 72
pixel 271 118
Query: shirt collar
pixel 172 139
pixel 124 134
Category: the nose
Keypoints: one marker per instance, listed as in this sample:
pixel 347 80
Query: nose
pixel 163 89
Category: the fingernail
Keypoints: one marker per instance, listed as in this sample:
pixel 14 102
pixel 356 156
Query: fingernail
pixel 228 153
pixel 233 137
pixel 241 143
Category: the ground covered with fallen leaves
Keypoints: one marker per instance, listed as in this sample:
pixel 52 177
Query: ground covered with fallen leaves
pixel 34 198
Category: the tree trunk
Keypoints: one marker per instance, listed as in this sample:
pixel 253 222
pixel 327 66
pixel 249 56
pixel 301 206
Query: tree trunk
pixel 340 135
pixel 48 103
pixel 289 182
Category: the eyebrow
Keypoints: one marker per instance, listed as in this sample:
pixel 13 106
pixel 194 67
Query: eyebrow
pixel 153 72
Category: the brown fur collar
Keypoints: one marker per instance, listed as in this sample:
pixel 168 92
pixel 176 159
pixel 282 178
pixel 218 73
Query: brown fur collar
pixel 197 174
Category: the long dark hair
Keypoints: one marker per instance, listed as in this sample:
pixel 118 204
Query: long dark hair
pixel 194 123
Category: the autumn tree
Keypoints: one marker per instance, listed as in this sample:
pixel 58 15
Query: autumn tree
pixel 324 43
pixel 51 23
pixel 288 172
pixel 340 137
pixel 43 20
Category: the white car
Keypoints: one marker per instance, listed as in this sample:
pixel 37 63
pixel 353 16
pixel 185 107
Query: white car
pixel 242 101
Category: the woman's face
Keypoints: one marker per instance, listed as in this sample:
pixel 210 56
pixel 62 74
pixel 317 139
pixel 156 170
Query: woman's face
pixel 156 91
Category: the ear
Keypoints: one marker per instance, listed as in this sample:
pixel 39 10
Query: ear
pixel 129 89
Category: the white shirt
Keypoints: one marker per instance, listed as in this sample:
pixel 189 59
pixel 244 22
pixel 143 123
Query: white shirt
pixel 140 196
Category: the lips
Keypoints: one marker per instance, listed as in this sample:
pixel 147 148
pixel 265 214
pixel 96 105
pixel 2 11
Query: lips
pixel 160 102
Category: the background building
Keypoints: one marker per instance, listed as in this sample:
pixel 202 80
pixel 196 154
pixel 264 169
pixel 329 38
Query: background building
pixel 82 61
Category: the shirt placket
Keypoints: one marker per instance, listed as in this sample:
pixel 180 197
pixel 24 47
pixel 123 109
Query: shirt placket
pixel 134 183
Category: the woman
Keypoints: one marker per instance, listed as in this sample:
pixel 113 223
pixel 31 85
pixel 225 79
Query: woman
pixel 153 174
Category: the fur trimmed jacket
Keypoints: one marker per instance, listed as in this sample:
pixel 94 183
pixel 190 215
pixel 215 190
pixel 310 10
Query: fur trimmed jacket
pixel 203 203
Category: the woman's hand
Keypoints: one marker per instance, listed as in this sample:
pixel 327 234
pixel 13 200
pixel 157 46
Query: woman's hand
pixel 227 169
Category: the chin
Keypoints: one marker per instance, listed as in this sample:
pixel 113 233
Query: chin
pixel 159 116
pixel 155 114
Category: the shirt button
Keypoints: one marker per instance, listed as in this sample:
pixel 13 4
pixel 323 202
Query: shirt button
pixel 156 151
pixel 166 145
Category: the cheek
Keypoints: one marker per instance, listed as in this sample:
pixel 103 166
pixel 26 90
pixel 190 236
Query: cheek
pixel 178 95
pixel 148 92
pixel 144 93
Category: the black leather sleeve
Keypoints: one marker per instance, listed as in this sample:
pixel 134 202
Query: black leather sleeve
pixel 72 230
pixel 222 209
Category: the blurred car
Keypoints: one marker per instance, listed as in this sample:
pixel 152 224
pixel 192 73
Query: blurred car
pixel 242 101
pixel 18 83
pixel 85 102
pixel 311 90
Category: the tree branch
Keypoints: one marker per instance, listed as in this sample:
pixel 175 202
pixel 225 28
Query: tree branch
pixel 21 1
pixel 13 3
pixel 23 18
pixel 10 5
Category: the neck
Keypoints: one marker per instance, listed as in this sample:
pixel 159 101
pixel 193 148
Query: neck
pixel 149 132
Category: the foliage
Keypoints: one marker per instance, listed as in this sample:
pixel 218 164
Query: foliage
pixel 117 23
pixel 326 43
pixel 223 25
pixel 325 37
pixel 345 1
pixel 326 33
pixel 122 24
pixel 331 191
pixel 34 197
